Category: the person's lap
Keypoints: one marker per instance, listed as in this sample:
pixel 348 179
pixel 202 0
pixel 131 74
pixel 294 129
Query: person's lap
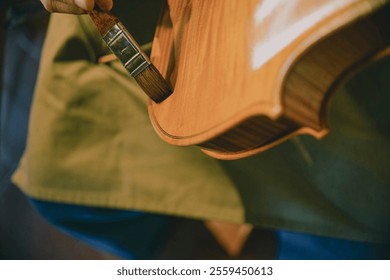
pixel 128 234
pixel 300 246
pixel 138 235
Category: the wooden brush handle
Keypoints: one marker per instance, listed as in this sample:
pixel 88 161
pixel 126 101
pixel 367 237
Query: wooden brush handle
pixel 103 21
pixel 121 43
pixel 130 54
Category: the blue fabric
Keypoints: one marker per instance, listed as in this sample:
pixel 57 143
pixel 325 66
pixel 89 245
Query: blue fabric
pixel 299 246
pixel 26 28
pixel 128 234
pixel 138 235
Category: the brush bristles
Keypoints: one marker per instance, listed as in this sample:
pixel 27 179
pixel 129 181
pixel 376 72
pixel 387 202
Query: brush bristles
pixel 154 84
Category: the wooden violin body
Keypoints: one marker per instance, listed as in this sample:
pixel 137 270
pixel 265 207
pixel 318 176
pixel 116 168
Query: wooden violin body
pixel 250 74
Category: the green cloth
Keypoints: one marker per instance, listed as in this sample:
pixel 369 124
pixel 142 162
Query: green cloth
pixel 91 143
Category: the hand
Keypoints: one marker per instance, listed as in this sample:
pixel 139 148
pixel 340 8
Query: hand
pixel 75 6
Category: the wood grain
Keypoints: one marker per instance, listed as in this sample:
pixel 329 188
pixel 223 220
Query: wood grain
pixel 248 75
pixel 103 21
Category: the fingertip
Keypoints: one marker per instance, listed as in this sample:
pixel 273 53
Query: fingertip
pixel 85 4
pixel 105 4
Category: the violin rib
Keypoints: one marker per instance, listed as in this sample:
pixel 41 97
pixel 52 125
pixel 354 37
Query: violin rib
pixel 249 75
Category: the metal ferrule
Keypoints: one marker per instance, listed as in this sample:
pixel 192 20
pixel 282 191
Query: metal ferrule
pixel 123 45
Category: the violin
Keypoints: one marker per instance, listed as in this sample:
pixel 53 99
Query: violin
pixel 248 75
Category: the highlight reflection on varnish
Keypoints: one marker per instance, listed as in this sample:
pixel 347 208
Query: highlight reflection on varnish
pixel 283 25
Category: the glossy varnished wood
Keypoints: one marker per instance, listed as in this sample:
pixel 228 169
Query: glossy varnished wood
pixel 249 74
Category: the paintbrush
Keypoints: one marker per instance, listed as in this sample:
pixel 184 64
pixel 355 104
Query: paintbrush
pixel 129 53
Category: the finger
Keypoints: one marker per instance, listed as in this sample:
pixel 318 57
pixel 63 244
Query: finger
pixel 83 4
pixel 88 5
pixel 60 7
pixel 105 4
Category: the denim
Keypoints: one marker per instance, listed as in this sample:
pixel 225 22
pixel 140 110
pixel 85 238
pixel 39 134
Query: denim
pixel 300 246
pixel 127 234
pixel 138 235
